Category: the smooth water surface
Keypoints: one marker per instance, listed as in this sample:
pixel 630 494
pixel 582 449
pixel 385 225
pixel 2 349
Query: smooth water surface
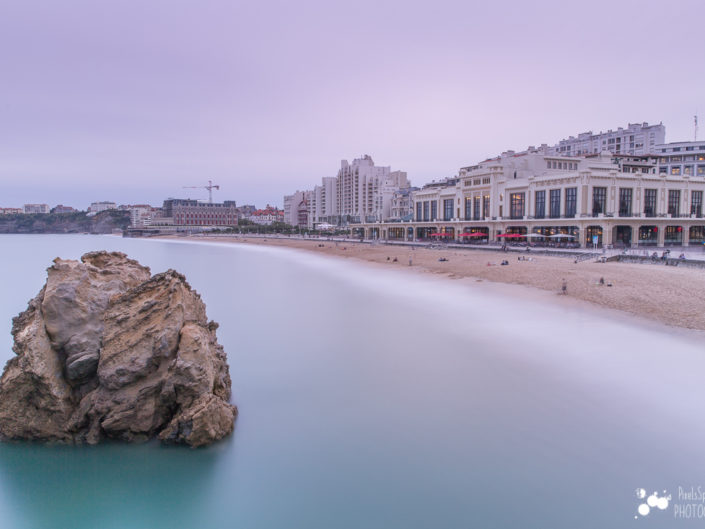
pixel 372 398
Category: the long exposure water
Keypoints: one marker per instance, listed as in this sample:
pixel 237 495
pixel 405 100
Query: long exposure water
pixel 372 398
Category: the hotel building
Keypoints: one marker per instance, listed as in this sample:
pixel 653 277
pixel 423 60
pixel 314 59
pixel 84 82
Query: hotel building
pixel 187 212
pixel 591 200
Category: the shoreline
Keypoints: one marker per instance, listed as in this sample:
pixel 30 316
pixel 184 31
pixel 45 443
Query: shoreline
pixel 673 296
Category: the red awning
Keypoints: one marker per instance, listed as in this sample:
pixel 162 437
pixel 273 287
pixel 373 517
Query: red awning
pixel 474 234
pixel 441 234
pixel 512 235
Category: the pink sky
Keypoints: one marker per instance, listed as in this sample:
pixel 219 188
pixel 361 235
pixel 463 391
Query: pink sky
pixel 131 100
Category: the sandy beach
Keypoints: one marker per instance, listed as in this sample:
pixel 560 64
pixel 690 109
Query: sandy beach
pixel 671 295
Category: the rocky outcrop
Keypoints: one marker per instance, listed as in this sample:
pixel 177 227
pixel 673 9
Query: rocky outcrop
pixel 107 351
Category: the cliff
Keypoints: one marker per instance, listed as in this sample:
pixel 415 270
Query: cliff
pixel 106 351
pixel 78 222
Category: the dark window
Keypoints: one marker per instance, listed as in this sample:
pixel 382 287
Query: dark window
pixel 571 201
pixel 486 206
pixel 425 211
pixel 696 203
pixel 650 202
pixel 447 209
pixel 468 208
pixel 419 216
pixel 434 210
pixel 540 204
pixel 674 201
pixel 476 208
pixel 625 202
pixel 517 201
pixel 555 205
pixel 599 200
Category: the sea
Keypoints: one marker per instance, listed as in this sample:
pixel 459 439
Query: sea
pixel 375 397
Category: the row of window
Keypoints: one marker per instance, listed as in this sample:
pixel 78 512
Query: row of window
pixel 689 148
pixel 677 159
pixel 477 208
pixel 566 166
pixel 686 170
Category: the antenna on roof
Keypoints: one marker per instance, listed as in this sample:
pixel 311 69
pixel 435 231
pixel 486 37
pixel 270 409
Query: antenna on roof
pixel 695 126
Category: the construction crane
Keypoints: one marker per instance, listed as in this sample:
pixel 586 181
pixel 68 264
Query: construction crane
pixel 210 187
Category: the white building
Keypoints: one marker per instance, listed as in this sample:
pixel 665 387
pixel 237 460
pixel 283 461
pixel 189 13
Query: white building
pixel 685 158
pixel 365 191
pixel 636 139
pixel 97 207
pixel 533 197
pixel 141 215
pixel 296 208
pixel 36 208
pixel 323 205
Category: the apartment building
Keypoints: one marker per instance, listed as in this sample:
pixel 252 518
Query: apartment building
pixel 635 139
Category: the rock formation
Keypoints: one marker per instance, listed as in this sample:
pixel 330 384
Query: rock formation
pixel 105 351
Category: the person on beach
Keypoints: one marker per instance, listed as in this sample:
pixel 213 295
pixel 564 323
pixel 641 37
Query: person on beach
pixel 564 287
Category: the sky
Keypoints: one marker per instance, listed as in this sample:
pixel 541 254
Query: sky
pixel 130 101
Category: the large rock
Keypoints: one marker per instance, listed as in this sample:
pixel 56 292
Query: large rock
pixel 106 351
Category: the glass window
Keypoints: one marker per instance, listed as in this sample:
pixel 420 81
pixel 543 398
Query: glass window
pixel 625 202
pixel 674 201
pixel 540 204
pixel 696 203
pixel 571 201
pixel 688 170
pixel 477 208
pixel 599 200
pixel 701 170
pixel 447 209
pixel 663 170
pixel 517 201
pixel 486 206
pixel 434 210
pixel 650 202
pixel 555 206
pixel 425 211
pixel 675 169
pixel 419 216
pixel 468 208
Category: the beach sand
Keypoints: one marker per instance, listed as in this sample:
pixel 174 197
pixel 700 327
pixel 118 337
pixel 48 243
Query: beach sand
pixel 671 295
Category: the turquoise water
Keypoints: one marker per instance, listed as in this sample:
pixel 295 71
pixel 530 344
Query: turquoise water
pixel 377 399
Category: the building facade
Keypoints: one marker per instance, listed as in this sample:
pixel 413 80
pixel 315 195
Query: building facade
pixel 636 139
pixel 36 208
pixel 187 212
pixel 686 158
pixel 365 191
pixel 533 197
pixel 266 216
pixel 97 207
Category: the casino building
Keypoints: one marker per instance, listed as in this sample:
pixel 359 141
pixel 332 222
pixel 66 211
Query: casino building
pixel 532 196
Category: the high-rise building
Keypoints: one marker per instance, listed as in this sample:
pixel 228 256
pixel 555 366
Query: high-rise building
pixel 365 190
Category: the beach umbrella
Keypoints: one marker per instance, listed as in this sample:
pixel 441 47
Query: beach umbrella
pixel 534 235
pixel 561 235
